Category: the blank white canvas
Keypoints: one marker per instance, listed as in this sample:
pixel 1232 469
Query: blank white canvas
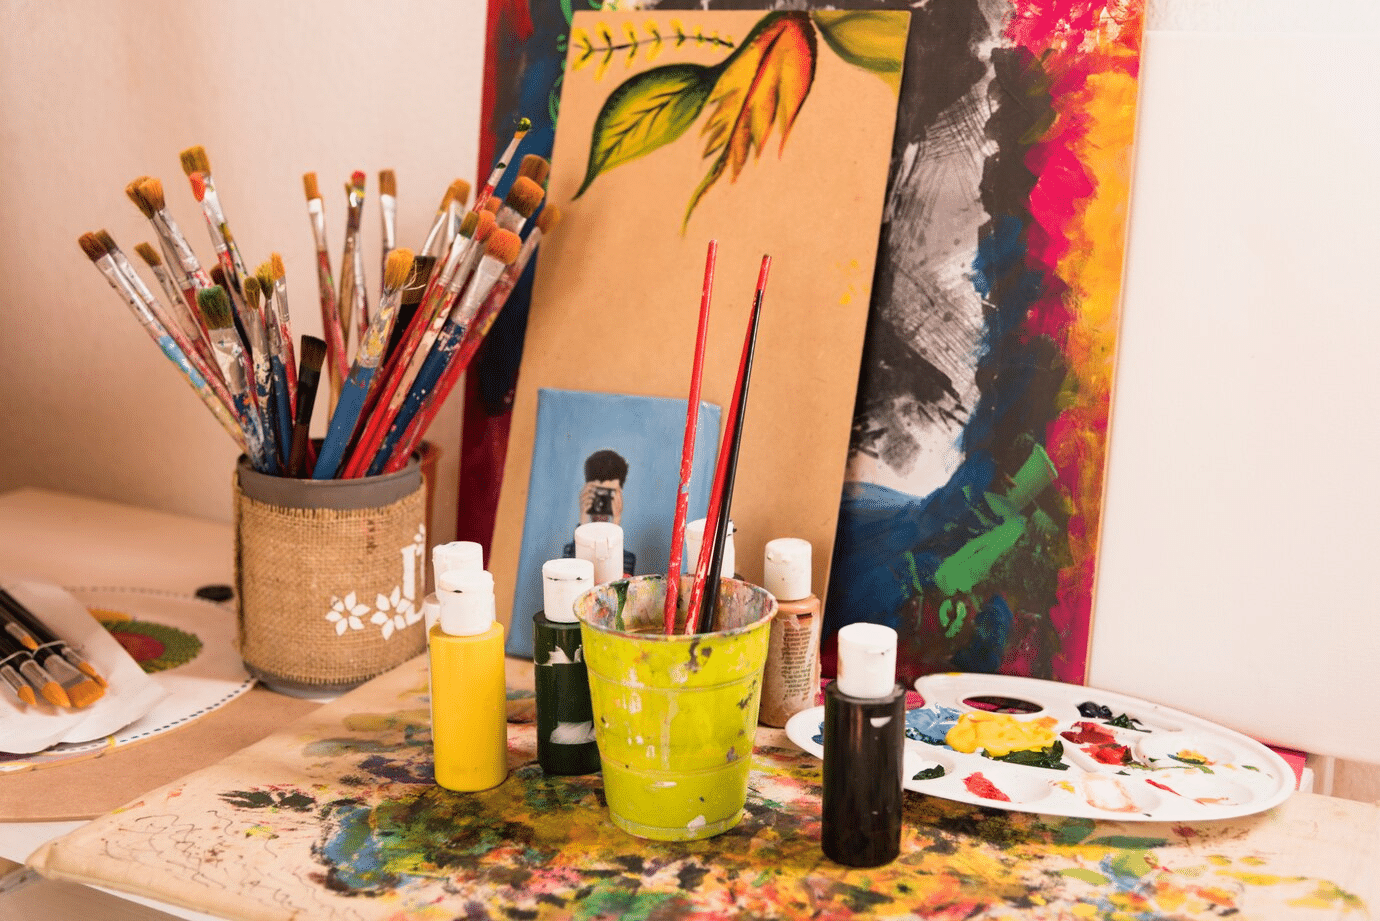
pixel 1240 560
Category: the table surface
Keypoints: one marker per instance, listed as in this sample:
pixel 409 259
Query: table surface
pixel 1311 857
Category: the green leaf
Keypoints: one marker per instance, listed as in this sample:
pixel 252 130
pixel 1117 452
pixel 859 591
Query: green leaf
pixel 645 112
pixel 874 40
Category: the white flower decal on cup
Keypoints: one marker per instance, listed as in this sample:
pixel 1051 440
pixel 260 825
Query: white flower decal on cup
pixel 347 614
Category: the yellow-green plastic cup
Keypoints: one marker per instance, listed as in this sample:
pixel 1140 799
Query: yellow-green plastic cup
pixel 674 716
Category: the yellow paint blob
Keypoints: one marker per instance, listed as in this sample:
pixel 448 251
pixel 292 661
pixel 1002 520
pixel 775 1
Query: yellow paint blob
pixel 1000 733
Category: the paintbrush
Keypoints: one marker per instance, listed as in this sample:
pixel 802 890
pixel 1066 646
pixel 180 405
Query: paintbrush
pixel 524 125
pixel 283 315
pixel 536 168
pixel 299 459
pixel 236 368
pixel 79 689
pixel 197 166
pixel 520 204
pixel 45 636
pixel 704 592
pixel 388 211
pixel 10 676
pixel 184 316
pixel 367 359
pixel 263 374
pixel 207 384
pixel 687 451
pixel 281 360
pixel 402 367
pixel 501 250
pixel 457 193
pixel 147 194
pixel 483 321
pixel 332 329
pixel 37 677
pixel 352 296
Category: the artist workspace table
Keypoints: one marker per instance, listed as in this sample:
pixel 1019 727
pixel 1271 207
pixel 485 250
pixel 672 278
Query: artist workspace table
pixel 335 816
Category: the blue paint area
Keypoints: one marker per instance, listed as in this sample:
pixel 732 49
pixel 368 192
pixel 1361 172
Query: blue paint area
pixel 354 853
pixel 392 769
pixel 930 723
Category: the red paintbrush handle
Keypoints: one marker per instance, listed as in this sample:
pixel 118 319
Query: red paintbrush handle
pixel 687 450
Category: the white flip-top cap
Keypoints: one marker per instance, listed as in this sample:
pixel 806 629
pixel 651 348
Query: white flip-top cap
pixel 694 539
pixel 786 568
pixel 467 602
pixel 867 660
pixel 431 611
pixel 458 554
pixel 562 581
pixel 601 542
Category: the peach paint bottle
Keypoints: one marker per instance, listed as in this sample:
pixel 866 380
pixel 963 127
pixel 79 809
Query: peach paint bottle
pixel 791 680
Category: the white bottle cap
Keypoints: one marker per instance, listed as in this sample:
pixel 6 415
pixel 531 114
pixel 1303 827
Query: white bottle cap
pixel 786 571
pixel 694 539
pixel 562 581
pixel 601 542
pixel 467 602
pixel 867 660
pixel 458 554
pixel 431 612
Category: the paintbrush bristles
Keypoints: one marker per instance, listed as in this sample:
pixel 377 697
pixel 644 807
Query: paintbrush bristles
pixel 388 182
pixel 132 191
pixel 485 226
pixel 215 307
pixel 458 192
pixel 313 353
pixel 525 196
pixel 535 167
pixel 397 267
pixel 194 160
pixel 253 294
pixel 264 275
pixel 148 254
pixel 550 216
pixel 106 240
pixel 309 184
pixel 503 245
pixel 492 204
pixel 92 246
pixel 279 270
pixel 469 223
pixel 150 191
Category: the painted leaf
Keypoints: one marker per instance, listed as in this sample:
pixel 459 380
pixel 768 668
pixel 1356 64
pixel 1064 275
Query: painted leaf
pixel 874 40
pixel 764 82
pixel 645 112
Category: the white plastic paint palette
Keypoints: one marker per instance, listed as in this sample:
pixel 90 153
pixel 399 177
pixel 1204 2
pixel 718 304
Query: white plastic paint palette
pixel 1119 758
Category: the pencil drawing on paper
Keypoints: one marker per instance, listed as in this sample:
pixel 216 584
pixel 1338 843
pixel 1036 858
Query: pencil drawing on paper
pixel 762 82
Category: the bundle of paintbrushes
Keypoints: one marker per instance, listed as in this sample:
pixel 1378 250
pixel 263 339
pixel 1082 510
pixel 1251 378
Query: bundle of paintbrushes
pixel 35 662
pixel 704 591
pixel 390 365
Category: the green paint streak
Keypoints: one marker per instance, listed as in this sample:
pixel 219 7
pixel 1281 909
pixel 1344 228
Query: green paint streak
pixel 1087 876
pixel 1074 831
pixel 971 564
pixel 1132 863
pixel 1129 842
pixel 622 903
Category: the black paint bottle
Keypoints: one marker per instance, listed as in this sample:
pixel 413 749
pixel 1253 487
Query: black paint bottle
pixel 565 717
pixel 864 740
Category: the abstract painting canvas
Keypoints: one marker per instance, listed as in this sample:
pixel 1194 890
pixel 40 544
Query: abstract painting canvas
pixel 769 133
pixel 605 457
pixel 972 509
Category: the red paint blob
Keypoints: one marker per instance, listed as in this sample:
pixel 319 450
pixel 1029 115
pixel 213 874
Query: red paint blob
pixel 141 648
pixel 1089 733
pixel 981 786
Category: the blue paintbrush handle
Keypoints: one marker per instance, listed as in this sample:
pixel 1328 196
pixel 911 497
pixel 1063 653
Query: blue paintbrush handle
pixel 432 369
pixel 343 422
pixel 281 406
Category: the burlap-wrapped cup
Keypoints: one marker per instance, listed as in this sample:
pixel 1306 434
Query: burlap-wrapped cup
pixel 330 576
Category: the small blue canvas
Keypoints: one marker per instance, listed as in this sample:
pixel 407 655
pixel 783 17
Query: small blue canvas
pixel 597 456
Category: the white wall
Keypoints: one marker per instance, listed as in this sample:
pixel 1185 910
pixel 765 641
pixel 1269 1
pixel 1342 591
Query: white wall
pixel 94 93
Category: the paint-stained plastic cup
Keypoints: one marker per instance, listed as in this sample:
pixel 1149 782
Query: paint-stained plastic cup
pixel 675 716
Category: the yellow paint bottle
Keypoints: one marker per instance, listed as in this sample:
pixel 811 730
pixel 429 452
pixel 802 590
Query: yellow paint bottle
pixel 469 722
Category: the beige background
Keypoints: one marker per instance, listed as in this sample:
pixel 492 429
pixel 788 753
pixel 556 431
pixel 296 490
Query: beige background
pixel 93 94
pixel 618 292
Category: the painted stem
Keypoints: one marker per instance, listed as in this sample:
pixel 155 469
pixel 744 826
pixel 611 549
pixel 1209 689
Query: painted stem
pixel 687 451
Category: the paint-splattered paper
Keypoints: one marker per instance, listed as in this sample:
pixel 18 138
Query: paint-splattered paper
pixel 770 133
pixel 336 816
